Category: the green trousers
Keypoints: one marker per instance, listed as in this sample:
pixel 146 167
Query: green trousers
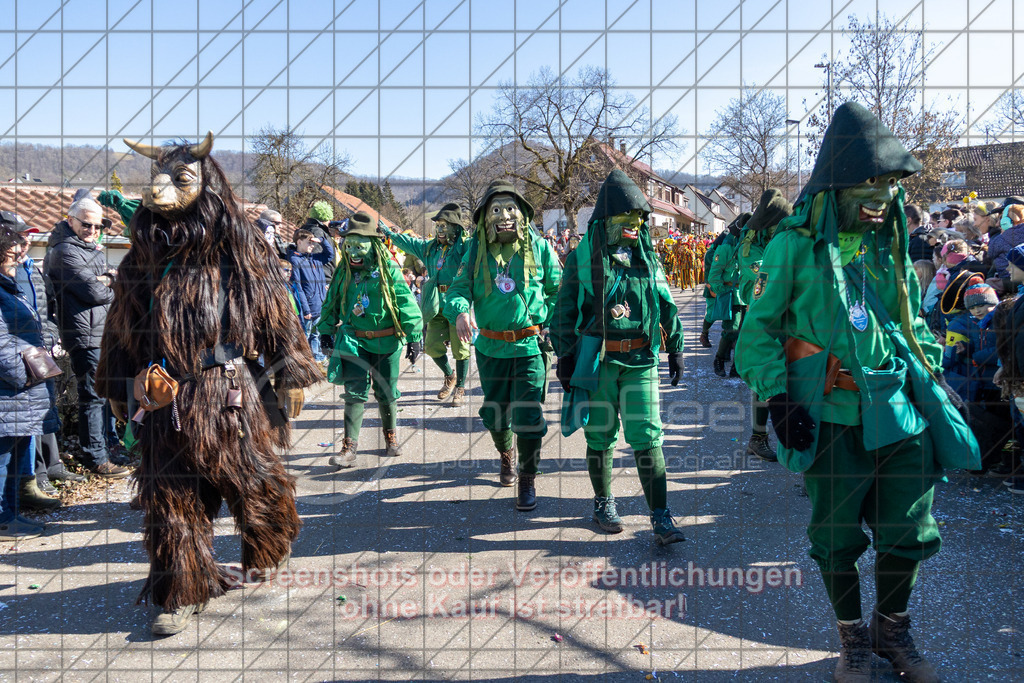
pixel 629 394
pixel 357 372
pixel 730 333
pixel 890 490
pixel 709 310
pixel 439 331
pixel 650 466
pixel 513 394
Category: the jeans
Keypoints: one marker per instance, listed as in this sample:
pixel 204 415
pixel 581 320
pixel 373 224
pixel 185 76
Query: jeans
pixel 15 452
pixel 91 428
pixel 309 327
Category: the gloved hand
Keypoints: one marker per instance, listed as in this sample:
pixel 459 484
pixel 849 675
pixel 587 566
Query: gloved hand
pixel 413 350
pixel 675 367
pixel 566 366
pixel 793 424
pixel 290 401
pixel 382 227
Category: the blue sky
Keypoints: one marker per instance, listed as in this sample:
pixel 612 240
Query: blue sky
pixel 398 84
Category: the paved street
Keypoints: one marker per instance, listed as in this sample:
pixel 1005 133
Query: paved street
pixel 442 579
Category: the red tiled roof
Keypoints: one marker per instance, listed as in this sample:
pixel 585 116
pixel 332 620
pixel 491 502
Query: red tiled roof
pixel 666 207
pixel 354 204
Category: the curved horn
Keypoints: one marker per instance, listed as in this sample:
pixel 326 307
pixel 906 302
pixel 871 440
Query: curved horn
pixel 203 148
pixel 145 150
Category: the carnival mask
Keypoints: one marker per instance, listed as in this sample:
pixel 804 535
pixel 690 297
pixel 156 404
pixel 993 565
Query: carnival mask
pixel 503 220
pixel 624 228
pixel 862 208
pixel 359 252
pixel 445 232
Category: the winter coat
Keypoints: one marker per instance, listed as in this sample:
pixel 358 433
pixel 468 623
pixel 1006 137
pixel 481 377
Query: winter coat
pixel 326 242
pixel 309 272
pixel 24 411
pixel 73 267
pixel 1001 245
pixel 918 246
pixel 970 374
pixel 34 286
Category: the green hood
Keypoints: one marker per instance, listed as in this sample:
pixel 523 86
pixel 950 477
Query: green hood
pixel 771 209
pixel 504 187
pixel 619 194
pixel 857 146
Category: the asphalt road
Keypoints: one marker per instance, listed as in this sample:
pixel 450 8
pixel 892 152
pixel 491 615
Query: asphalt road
pixel 443 579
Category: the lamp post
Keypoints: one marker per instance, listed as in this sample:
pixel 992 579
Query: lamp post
pixel 827 66
pixel 799 175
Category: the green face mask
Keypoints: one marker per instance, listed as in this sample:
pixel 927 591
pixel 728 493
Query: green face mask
pixel 624 228
pixel 863 206
pixel 849 244
pixel 359 252
pixel 503 221
pixel 445 232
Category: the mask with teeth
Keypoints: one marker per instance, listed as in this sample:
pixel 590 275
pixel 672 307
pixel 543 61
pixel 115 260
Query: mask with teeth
pixel 624 228
pixel 359 252
pixel 503 220
pixel 445 232
pixel 862 208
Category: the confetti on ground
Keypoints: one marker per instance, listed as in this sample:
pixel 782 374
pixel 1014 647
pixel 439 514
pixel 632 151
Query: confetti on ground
pixel 342 599
pixel 33 586
pixel 557 638
pixel 643 649
pixel 325 444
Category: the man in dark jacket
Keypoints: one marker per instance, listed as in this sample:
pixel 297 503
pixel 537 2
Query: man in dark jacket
pixel 308 273
pixel 81 284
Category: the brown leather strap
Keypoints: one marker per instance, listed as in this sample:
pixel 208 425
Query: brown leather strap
pixel 835 376
pixel 442 288
pixel 624 345
pixel 510 335
pixel 375 334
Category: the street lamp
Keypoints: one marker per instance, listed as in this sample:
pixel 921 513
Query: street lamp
pixel 799 175
pixel 827 66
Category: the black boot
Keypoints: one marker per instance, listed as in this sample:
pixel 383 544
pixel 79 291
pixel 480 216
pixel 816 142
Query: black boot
pixel 761 446
pixel 527 493
pixel 704 340
pixel 855 656
pixel 733 372
pixel 719 366
pixel 890 639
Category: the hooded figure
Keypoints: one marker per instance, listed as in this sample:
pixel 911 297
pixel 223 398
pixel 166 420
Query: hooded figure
pixel 723 280
pixel 832 340
pixel 709 294
pixel 607 331
pixel 441 255
pixel 510 276
pixel 372 313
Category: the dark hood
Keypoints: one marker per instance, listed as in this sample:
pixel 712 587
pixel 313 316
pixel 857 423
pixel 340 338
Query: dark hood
pixel 771 209
pixel 857 146
pixel 619 194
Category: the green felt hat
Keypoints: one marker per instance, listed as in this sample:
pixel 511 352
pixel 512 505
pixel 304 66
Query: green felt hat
pixel 450 213
pixel 771 209
pixel 857 146
pixel 619 194
pixel 362 224
pixel 503 187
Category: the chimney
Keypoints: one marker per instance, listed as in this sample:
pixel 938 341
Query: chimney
pixel 611 141
pixel 622 147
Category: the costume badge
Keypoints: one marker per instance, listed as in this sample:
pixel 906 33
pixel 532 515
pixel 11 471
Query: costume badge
pixel 462 267
pixel 620 311
pixel 759 285
pixel 859 317
pixel 375 274
pixel 440 262
pixel 365 301
pixel 756 267
pixel 505 283
pixel 358 310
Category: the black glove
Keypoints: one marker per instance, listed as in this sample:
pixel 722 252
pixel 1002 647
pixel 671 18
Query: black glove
pixel 566 366
pixel 675 367
pixel 793 424
pixel 413 351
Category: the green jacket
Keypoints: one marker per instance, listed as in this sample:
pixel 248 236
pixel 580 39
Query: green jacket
pixel 575 308
pixel 795 296
pixel 336 312
pixel 724 273
pixel 709 257
pixel 533 304
pixel 748 255
pixel 441 262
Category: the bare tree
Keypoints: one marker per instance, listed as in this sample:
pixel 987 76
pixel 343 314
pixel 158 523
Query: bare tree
pixel 748 144
pixel 1010 112
pixel 546 132
pixel 469 179
pixel 288 175
pixel 884 70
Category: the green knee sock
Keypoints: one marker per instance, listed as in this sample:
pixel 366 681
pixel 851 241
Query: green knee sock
pixel 650 465
pixel 843 590
pixel 502 440
pixel 599 465
pixel 461 369
pixel 529 454
pixel 895 577
pixel 387 415
pixel 446 367
pixel 353 420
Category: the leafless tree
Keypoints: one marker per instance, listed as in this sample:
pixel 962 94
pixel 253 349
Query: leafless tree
pixel 546 131
pixel 288 174
pixel 469 180
pixel 748 144
pixel 1010 112
pixel 884 70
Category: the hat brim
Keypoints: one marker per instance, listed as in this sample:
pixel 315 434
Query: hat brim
pixel 953 295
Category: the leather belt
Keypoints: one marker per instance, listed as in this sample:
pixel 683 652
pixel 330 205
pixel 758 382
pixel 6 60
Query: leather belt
pixel 835 376
pixel 624 345
pixel 442 288
pixel 511 335
pixel 375 334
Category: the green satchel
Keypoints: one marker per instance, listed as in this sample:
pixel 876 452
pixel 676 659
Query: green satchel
pixel 723 307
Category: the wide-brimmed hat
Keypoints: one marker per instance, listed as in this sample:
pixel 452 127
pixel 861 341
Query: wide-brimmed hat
pixel 953 295
pixel 360 223
pixel 450 213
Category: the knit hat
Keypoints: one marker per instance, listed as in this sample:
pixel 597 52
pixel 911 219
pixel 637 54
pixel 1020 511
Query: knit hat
pixel 978 294
pixel 321 211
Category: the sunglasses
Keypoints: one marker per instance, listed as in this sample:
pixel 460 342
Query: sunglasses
pixel 105 223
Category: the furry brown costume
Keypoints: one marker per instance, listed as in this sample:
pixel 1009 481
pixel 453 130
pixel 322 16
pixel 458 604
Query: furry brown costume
pixel 189 237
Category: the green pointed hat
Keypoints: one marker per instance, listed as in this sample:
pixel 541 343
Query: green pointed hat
pixel 857 146
pixel 771 209
pixel 503 187
pixel 450 213
pixel 619 194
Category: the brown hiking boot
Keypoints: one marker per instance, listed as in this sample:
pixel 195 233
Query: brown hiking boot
pixel 705 341
pixel 508 473
pixel 890 639
pixel 346 457
pixel 31 497
pixel 392 449
pixel 446 389
pixel 458 396
pixel 109 470
pixel 855 656
pixel 527 499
